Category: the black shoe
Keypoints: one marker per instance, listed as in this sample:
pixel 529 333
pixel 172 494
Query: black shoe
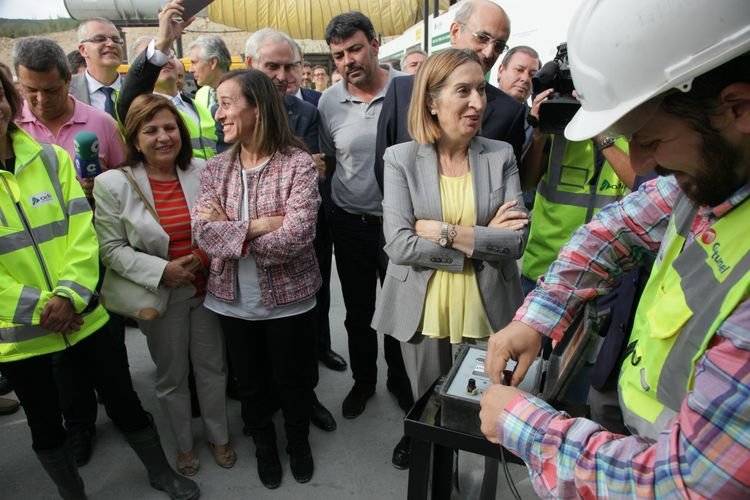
pixel 61 468
pixel 269 465
pixel 332 360
pixel 82 445
pixel 401 454
pixel 321 417
pixel 8 406
pixel 5 386
pixel 402 391
pixel 301 462
pixel 355 402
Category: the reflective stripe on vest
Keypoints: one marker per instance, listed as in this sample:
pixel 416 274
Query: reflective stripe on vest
pixel 689 295
pixel 571 191
pixel 203 133
pixel 548 186
pixel 21 333
pixel 26 305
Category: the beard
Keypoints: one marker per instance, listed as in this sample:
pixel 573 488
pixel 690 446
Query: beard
pixel 723 172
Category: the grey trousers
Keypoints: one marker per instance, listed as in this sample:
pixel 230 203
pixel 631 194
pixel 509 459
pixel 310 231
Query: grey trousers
pixel 188 332
pixel 425 359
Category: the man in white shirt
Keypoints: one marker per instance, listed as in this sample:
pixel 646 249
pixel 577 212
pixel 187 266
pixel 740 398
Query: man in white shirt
pixel 101 46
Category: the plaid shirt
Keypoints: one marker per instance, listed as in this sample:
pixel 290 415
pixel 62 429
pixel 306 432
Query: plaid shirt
pixel 705 450
pixel 288 185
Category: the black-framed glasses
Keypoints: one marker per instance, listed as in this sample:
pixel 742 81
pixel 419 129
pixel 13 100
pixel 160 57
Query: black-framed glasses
pixel 483 39
pixel 103 38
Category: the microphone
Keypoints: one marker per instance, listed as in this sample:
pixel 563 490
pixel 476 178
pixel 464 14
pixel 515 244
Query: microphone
pixel 87 155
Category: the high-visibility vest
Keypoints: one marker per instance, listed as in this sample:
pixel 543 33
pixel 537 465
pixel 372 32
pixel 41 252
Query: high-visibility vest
pixel 569 194
pixel 203 133
pixel 205 96
pixel 47 247
pixel 692 290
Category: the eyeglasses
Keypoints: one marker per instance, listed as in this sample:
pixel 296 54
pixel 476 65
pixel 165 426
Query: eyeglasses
pixel 103 38
pixel 483 39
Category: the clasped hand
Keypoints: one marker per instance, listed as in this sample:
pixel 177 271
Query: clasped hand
pixel 59 316
pixel 181 271
pixel 507 217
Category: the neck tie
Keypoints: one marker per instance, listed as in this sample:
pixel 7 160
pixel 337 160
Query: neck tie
pixel 109 103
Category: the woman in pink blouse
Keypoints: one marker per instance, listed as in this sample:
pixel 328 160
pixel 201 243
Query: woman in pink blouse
pixel 255 218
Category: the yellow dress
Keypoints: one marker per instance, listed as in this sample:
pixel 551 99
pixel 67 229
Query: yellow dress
pixel 453 305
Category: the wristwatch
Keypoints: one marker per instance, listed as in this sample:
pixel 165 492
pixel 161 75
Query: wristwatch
pixel 447 235
pixel 602 142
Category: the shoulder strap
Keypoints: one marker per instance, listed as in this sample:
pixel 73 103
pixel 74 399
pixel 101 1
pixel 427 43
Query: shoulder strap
pixel 129 176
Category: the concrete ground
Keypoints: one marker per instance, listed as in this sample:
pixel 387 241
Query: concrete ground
pixel 353 462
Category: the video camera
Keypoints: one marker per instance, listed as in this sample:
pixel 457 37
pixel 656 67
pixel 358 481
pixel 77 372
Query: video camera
pixel 559 108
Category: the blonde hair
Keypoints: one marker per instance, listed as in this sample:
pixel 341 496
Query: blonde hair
pixel 423 126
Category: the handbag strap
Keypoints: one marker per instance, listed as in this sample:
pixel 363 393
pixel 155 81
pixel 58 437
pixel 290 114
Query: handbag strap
pixel 129 176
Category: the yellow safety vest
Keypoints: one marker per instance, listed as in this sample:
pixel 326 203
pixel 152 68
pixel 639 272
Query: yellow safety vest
pixel 203 133
pixel 692 290
pixel 569 194
pixel 203 97
pixel 47 247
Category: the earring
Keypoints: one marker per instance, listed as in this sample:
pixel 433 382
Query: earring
pixel 433 111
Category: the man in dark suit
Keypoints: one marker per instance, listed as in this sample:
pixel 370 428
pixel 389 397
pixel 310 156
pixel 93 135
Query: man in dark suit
pixel 278 56
pixel 483 27
pixel 311 96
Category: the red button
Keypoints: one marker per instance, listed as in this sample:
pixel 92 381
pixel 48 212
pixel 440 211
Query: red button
pixel 708 236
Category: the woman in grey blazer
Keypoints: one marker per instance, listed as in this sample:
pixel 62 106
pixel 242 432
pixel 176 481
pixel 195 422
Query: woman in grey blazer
pixel 452 220
pixel 146 237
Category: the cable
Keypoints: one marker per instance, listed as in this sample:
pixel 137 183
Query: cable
pixel 508 478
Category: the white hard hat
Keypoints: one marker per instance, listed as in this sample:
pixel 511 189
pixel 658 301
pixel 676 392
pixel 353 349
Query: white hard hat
pixel 623 53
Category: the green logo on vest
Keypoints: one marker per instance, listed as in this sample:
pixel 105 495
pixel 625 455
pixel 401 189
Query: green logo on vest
pixel 716 257
pixel 614 187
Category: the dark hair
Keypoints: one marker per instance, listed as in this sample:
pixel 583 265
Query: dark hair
pixel 701 102
pixel 524 49
pixel 347 24
pixel 11 94
pixel 143 109
pixel 272 132
pixel 40 54
pixel 75 61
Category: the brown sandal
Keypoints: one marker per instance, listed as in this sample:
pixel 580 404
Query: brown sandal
pixel 188 463
pixel 223 454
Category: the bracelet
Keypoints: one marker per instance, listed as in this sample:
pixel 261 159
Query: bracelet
pixel 447 234
pixel 452 233
pixel 604 142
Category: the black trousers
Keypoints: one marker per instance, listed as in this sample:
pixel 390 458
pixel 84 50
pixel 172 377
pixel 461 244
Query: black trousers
pixel 101 357
pixel 77 396
pixel 360 260
pixel 275 364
